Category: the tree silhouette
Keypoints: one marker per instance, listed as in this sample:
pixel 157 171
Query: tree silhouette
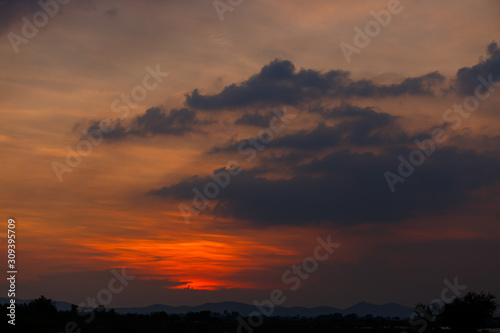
pixel 469 313
pixel 43 306
pixel 426 315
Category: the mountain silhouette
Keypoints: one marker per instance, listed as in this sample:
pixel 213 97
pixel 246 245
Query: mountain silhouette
pixel 361 309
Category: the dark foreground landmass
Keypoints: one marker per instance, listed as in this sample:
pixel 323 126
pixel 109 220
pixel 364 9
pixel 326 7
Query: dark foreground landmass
pixel 42 316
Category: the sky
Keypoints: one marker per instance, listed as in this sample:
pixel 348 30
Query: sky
pixel 206 146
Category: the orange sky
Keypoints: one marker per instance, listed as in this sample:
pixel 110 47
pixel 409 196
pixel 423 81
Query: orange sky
pixel 101 215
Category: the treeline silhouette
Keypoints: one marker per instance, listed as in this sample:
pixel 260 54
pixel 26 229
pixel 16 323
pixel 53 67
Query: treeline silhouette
pixel 466 314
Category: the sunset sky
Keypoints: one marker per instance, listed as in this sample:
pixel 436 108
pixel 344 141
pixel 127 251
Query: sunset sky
pixel 171 91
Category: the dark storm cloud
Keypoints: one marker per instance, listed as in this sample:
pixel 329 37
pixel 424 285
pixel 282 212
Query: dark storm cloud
pixel 156 121
pixel 356 126
pixel 350 111
pixel 320 137
pixel 11 11
pixel 467 77
pixel 347 188
pixel 280 83
pixel 255 119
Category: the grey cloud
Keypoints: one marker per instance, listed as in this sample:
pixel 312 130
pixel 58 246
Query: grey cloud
pixel 255 119
pixel 156 121
pixel 346 188
pixel 467 77
pixel 356 126
pixel 279 83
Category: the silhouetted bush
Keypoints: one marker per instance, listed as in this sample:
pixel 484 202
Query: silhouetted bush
pixel 469 313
